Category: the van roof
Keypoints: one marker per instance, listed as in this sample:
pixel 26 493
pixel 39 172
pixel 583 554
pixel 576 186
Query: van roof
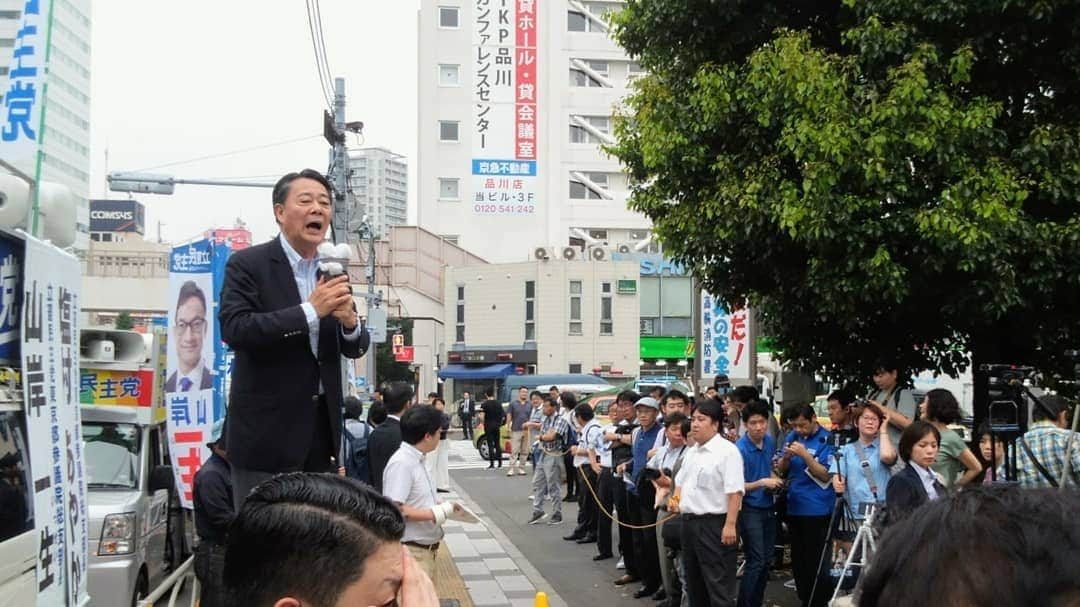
pixel 554 379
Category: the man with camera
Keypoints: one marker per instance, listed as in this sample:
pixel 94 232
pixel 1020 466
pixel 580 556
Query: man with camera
pixel 660 471
pixel 621 441
pixel 757 521
pixel 1047 445
pixel 641 497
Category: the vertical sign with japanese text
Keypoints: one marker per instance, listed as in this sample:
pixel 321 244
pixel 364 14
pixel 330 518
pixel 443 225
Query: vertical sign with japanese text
pixel 50 362
pixel 725 339
pixel 24 99
pixel 193 384
pixel 505 113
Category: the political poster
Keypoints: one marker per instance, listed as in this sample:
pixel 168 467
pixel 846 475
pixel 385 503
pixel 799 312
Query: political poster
pixel 505 107
pixel 725 339
pixel 50 361
pixel 24 98
pixel 195 358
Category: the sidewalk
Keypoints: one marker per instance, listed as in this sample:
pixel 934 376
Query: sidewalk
pixel 494 572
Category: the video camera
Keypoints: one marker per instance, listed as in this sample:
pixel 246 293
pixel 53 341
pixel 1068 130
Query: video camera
pixel 651 474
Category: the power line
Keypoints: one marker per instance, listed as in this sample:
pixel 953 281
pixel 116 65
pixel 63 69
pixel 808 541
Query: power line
pixel 230 153
pixel 322 43
pixel 320 60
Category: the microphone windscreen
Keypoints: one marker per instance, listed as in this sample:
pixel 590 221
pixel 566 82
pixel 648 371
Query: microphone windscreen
pixel 327 249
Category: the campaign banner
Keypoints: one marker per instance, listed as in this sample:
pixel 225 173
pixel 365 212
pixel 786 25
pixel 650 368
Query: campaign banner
pixel 131 388
pixel 10 300
pixel 50 362
pixel 195 358
pixel 725 339
pixel 24 99
pixel 505 107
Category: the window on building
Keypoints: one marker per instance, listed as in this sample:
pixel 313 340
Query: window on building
pixel 580 135
pixel 448 188
pixel 448 17
pixel 574 368
pixel 451 238
pixel 460 325
pixel 576 22
pixel 10 14
pixel 579 191
pixel 7 42
pixel 634 68
pixel 575 308
pixel 448 130
pixel 607 323
pixel 581 78
pixel 449 75
pixel 530 310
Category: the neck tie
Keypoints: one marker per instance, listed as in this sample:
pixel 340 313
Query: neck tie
pixel 185 384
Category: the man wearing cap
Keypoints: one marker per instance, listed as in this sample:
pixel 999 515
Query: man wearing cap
pixel 641 498
pixel 213 504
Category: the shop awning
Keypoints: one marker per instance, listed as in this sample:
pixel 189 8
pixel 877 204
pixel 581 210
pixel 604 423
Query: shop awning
pixel 665 347
pixel 458 371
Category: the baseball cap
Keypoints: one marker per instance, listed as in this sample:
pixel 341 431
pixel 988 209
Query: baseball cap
pixel 647 401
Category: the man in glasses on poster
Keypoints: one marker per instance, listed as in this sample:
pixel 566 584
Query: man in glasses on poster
pixel 189 333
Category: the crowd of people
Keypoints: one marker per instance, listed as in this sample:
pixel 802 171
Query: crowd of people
pixel 304 504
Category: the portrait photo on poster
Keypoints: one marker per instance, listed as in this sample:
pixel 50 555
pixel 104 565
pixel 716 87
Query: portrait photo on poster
pixel 190 354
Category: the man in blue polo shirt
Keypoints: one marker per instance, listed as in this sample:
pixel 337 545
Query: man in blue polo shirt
pixel 810 501
pixel 757 522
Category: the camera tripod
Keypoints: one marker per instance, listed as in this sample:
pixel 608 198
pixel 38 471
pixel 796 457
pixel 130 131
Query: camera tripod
pixel 864 545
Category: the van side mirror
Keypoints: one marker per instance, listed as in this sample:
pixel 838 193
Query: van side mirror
pixel 161 477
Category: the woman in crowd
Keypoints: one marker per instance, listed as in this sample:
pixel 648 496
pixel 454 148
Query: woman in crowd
pixel 863 470
pixel 989 460
pixel 955 462
pixel 916 484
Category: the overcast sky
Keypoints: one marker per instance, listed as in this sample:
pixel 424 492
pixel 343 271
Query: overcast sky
pixel 174 81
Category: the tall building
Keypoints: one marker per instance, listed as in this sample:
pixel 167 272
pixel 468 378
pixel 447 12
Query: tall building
pixel 66 138
pixel 515 101
pixel 379 182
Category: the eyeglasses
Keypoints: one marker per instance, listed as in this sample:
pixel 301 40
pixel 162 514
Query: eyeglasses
pixel 195 326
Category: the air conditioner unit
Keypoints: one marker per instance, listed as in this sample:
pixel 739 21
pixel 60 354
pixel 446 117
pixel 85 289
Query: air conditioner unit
pixel 541 254
pixel 569 253
pixel 597 254
pixel 625 248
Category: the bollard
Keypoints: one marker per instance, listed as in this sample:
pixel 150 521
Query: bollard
pixel 541 600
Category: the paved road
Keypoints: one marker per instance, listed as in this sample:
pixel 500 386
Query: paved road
pixel 566 566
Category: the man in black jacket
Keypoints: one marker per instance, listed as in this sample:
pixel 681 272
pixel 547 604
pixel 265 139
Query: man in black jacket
pixel 213 511
pixel 386 439
pixel 289 328
pixel 494 418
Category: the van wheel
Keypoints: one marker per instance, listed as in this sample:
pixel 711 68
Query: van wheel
pixel 141 589
pixel 482 447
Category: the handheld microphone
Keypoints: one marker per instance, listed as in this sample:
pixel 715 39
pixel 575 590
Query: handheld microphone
pixel 334 259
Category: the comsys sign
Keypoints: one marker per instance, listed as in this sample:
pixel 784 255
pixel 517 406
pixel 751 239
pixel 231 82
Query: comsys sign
pixel 117 216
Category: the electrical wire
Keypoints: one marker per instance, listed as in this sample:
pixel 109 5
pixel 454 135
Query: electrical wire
pixel 320 61
pixel 322 45
pixel 230 153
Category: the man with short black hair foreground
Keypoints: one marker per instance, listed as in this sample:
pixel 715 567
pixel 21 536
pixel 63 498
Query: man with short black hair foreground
pixel 408 484
pixel 708 493
pixel 320 540
pixel 385 440
pixel 987 545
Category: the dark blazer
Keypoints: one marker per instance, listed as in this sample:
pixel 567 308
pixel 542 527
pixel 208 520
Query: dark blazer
pixel 205 383
pixel 382 443
pixel 274 394
pixel 905 492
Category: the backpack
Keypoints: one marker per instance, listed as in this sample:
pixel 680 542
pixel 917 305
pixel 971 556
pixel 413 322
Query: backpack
pixel 356 455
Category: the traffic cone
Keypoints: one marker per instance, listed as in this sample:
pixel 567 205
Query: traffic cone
pixel 541 600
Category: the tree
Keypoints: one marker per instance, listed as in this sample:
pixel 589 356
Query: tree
pixel 124 320
pixel 875 177
pixel 388 369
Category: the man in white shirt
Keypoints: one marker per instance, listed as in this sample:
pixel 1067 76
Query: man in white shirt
pixel 709 490
pixel 588 436
pixel 408 484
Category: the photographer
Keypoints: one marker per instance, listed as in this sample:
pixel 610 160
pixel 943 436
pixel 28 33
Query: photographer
pixel 621 439
pixel 641 498
pixel 757 522
pixel 861 471
pixel 1045 447
pixel 842 417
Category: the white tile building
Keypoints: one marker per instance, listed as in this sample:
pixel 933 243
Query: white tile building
pixel 379 181
pixel 530 85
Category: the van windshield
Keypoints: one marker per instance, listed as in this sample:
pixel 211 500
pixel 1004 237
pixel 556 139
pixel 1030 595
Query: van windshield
pixel 111 455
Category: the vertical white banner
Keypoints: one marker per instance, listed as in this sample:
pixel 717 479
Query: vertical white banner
pixel 24 98
pixel 725 340
pixel 50 363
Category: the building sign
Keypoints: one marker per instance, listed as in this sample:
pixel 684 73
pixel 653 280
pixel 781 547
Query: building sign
pixel 196 362
pixel 404 354
pixel 50 362
pixel 505 107
pixel 132 388
pixel 24 99
pixel 725 339
pixel 492 356
pixel 117 216
pixel 10 300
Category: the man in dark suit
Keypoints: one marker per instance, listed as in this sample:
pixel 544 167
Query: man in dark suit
pixel 466 411
pixel 289 328
pixel 189 331
pixel 386 439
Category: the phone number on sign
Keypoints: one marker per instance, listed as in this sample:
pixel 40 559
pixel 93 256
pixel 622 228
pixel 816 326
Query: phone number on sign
pixel 513 209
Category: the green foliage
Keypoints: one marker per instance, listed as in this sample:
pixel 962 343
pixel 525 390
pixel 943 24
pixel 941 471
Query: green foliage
pixel 876 177
pixel 124 320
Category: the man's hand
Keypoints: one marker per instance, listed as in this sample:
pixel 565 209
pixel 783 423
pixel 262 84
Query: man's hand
pixel 595 467
pixel 610 436
pixel 620 469
pixel 329 295
pixel 728 536
pixel 417 590
pixel 838 484
pixel 346 315
pixel 797 449
pixel 663 480
pixel 772 483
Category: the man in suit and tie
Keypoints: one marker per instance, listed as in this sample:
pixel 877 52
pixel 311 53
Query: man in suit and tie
pixel 189 331
pixel 466 412
pixel 386 439
pixel 289 327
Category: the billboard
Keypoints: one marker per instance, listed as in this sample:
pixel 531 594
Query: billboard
pixel 117 216
pixel 24 99
pixel 725 339
pixel 505 108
